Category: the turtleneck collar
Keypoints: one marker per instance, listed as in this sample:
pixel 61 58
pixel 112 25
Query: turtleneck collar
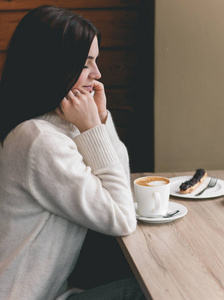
pixel 53 118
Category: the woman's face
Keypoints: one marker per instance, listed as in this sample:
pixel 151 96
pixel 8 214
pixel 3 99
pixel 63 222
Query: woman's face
pixel 90 71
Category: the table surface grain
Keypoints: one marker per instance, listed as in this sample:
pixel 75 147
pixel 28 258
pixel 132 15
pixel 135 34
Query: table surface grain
pixel 183 259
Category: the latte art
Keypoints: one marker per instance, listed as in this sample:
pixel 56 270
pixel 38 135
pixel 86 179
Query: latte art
pixel 152 181
pixel 156 183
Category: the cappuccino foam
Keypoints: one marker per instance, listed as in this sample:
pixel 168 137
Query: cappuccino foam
pixel 152 181
pixel 156 183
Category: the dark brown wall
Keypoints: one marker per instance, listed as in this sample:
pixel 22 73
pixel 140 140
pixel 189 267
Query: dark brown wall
pixel 125 63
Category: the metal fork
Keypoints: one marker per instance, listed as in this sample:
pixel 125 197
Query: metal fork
pixel 211 184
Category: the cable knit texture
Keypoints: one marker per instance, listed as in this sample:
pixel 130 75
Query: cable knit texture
pixel 54 184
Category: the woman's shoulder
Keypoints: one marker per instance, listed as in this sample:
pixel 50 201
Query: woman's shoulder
pixel 30 131
pixel 32 128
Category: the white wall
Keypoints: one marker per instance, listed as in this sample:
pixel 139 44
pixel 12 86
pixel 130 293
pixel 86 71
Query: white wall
pixel 189 85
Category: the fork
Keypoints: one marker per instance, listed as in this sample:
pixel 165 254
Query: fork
pixel 211 184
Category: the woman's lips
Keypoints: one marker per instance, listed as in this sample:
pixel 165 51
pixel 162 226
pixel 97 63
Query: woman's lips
pixel 88 88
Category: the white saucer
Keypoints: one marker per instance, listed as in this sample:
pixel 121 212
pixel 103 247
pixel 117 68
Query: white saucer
pixel 172 206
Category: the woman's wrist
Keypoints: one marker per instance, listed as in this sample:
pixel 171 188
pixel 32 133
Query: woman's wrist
pixel 103 117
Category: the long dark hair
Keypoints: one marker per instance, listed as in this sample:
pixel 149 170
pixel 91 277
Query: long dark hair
pixel 45 57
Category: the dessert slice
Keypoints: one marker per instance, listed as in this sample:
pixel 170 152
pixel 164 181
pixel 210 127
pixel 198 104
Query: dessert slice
pixel 190 185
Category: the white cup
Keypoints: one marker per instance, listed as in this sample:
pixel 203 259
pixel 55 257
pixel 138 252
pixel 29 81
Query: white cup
pixel 152 195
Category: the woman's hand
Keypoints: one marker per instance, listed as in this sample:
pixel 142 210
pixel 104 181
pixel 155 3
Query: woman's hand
pixel 100 100
pixel 80 109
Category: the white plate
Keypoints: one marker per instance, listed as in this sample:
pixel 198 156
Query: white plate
pixel 216 191
pixel 172 206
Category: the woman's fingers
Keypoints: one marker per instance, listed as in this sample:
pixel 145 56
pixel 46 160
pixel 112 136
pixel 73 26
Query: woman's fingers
pixel 98 86
pixel 70 95
pixel 100 100
pixel 75 92
pixel 79 108
pixel 59 109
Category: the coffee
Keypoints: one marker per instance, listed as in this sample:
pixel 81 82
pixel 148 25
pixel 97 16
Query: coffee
pixel 152 181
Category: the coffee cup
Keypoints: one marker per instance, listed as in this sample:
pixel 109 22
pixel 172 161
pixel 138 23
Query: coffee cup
pixel 152 195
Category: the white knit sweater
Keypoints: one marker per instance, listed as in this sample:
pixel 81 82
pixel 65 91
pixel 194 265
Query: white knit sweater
pixel 54 184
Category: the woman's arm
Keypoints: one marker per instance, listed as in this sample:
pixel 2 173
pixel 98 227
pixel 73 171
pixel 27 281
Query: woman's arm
pixel 82 181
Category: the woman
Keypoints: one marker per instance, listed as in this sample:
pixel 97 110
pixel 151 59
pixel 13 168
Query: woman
pixel 63 168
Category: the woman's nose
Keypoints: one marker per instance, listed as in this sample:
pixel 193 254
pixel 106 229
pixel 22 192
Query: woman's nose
pixel 95 74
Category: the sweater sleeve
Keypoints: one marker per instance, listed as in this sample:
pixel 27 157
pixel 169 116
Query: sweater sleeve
pixel 119 147
pixel 82 180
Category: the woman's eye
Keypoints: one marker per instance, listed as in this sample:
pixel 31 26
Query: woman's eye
pixel 85 67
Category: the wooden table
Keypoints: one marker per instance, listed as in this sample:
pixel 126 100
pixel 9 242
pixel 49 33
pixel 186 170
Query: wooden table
pixel 183 259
